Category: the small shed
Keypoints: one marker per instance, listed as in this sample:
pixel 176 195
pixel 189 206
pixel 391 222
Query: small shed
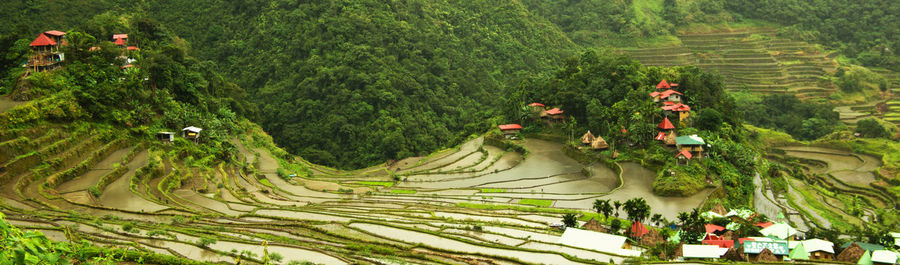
pixel 191 132
pixel 509 130
pixel 684 155
pixel 165 136
pixel 587 138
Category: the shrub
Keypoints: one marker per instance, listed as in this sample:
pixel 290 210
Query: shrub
pixel 95 191
pixel 205 241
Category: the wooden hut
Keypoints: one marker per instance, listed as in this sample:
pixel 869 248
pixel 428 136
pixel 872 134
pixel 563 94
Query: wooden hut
pixel 851 253
pixel 553 116
pixel 683 156
pixel 692 143
pixel 509 130
pixel 735 254
pixel 599 143
pixel 765 255
pixel 682 111
pixel 819 249
pixel 165 136
pixel 191 133
pixel 45 51
pixel 593 225
pixel 587 138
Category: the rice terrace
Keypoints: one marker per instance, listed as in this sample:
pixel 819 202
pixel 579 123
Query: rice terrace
pixel 449 132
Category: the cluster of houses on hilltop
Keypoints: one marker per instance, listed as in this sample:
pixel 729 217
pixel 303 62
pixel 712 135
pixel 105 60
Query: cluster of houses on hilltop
pixel 776 242
pixel 46 52
pixel 688 147
pixel 549 117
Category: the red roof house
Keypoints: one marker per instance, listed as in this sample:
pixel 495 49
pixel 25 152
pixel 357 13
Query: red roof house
pixel 42 40
pixel 663 85
pixel 120 36
pixel 668 95
pixel 504 127
pixel 638 229
pixel 654 94
pixel 665 124
pixel 120 42
pixel 555 111
pixel 132 48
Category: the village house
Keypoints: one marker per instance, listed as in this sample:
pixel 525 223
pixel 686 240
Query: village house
pixel 510 130
pixel 679 110
pixel 45 51
pixel 666 132
pixel 693 144
pixel 665 85
pixel 819 249
pixel 597 241
pixel 191 133
pixel 553 116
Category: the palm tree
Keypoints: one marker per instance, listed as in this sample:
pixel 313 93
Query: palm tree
pixel 617 205
pixel 603 207
pixel 570 220
pixel 656 218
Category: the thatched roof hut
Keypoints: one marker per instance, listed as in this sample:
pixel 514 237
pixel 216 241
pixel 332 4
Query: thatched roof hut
pixel 587 138
pixel 719 209
pixel 735 254
pixel 851 253
pixel 599 143
pixel 670 138
pixel 594 225
pixel 651 238
pixel 766 256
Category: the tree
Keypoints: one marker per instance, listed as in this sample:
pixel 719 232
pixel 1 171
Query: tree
pixel 871 128
pixel 710 119
pixel 637 209
pixel 656 219
pixel 603 207
pixel 614 226
pixel 617 205
pixel 570 220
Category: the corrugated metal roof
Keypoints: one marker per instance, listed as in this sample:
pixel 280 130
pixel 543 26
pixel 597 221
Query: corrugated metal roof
pixel 192 129
pixel 884 256
pixel 602 242
pixel 814 245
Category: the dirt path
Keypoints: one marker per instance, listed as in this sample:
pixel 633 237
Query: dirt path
pixel 6 103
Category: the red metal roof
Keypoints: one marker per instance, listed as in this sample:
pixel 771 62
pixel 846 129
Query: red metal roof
pixel 55 33
pixel 42 40
pixel 720 243
pixel 668 103
pixel 638 229
pixel 673 84
pixel 133 48
pixel 510 127
pixel 663 84
pixel 120 36
pixel 742 240
pixel 665 124
pixel 624 131
pixel 120 41
pixel 667 93
pixel 555 111
pixel 685 154
pixel 127 66
pixel 535 104
pixel 677 107
pixel 764 225
pixel 654 94
pixel 661 136
pixel 710 228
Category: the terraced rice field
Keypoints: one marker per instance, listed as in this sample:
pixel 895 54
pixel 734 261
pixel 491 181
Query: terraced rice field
pixel 475 204
pixel 755 59
pixel 838 183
